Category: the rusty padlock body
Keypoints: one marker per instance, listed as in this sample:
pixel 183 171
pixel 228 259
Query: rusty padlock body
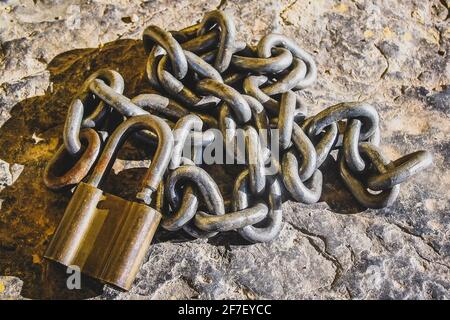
pixel 106 236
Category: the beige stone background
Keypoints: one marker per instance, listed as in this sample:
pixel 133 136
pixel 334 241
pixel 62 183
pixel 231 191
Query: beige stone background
pixel 392 53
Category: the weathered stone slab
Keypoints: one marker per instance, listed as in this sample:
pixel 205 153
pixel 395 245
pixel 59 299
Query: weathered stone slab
pixel 394 54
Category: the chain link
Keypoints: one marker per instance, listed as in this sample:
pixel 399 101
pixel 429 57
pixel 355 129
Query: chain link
pixel 208 80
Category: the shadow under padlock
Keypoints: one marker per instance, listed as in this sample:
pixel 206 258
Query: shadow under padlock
pixel 106 236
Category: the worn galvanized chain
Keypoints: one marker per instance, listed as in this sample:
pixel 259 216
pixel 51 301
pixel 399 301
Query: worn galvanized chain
pixel 208 80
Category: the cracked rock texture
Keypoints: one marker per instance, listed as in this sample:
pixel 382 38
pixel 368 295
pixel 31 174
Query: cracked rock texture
pixel 394 54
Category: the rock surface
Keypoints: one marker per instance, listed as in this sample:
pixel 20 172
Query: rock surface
pixel 394 54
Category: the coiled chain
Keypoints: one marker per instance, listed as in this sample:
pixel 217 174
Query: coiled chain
pixel 209 82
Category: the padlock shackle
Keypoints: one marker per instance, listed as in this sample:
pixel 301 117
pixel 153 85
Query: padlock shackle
pixel 159 163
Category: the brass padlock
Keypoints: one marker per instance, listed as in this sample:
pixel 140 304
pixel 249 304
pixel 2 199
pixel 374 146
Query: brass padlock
pixel 107 237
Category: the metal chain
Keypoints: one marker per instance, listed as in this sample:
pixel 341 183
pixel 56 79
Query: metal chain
pixel 209 81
